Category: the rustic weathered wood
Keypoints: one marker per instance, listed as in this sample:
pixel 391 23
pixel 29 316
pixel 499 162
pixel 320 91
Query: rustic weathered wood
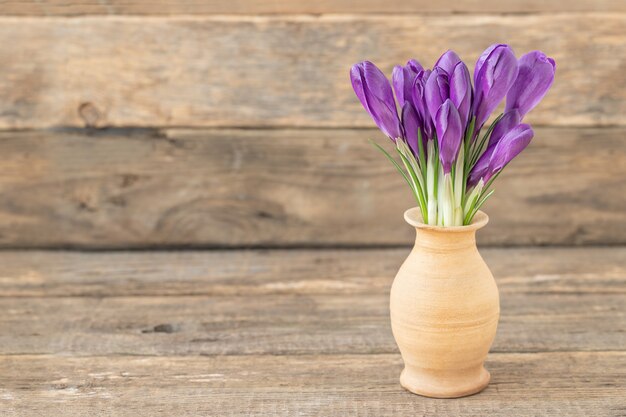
pixel 600 270
pixel 285 324
pixel 272 302
pixel 279 70
pixel 320 321
pixel 143 7
pixel 285 188
pixel 541 384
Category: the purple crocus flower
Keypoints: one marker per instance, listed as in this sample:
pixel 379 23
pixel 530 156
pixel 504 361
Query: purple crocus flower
pixel 455 85
pixel 495 72
pixel 449 134
pixel 411 123
pixel 509 120
pixel 448 61
pixel 461 91
pixel 403 78
pixel 506 124
pixel 509 147
pixel 536 74
pixel 374 91
pixel 436 90
pixel 419 101
pixel 497 157
pixel 479 170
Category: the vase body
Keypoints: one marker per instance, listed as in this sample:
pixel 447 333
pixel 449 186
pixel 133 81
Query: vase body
pixel 444 307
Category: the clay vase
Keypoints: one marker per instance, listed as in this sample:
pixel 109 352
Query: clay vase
pixel 444 310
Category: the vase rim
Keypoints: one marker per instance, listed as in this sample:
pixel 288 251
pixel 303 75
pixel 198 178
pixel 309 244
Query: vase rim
pixel 413 216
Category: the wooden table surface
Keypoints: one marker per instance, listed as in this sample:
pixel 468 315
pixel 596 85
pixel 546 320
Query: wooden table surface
pixel 293 332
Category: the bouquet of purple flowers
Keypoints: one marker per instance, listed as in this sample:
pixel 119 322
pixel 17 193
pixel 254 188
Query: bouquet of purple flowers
pixel 448 164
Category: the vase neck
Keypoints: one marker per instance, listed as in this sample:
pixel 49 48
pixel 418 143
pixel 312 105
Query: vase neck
pixel 443 241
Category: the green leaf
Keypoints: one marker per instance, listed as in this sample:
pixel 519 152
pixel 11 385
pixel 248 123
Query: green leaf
pixel 478 150
pixel 404 149
pixel 420 194
pixel 420 151
pixel 399 169
pixel 480 203
pixel 467 143
pixel 393 161
pixel 490 182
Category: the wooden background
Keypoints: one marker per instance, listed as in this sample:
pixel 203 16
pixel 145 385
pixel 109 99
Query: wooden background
pixel 129 124
pixel 129 127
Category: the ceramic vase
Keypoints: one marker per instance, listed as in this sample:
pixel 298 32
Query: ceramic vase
pixel 444 308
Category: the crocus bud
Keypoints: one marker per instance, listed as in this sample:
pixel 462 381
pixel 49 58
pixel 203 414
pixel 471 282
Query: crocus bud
pixel 511 144
pixel 509 120
pixel 374 91
pixel 419 102
pixel 495 72
pixel 479 170
pixel 497 156
pixel 461 91
pixel 411 123
pixel 536 74
pixel 436 90
pixel 447 61
pixel 403 78
pixel 449 134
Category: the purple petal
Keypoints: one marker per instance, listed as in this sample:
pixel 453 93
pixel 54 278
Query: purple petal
pixel 483 57
pixel 514 142
pixel 479 170
pixel 397 81
pixel 403 79
pixel 447 61
pixel 415 66
pixel 536 74
pixel 461 91
pixel 411 123
pixel 419 102
pixel 511 119
pixel 436 90
pixel 449 134
pixel 494 76
pixel 374 91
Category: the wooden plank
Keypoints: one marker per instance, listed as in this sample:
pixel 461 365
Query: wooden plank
pixel 187 7
pixel 555 271
pixel 298 345
pixel 285 324
pixel 291 310
pixel 278 70
pixel 543 384
pixel 277 188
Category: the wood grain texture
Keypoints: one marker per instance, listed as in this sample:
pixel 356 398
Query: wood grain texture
pixel 541 384
pixel 331 302
pixel 554 271
pixel 172 7
pixel 279 70
pixel 285 324
pixel 280 333
pixel 275 188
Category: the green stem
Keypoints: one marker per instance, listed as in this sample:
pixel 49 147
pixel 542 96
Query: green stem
pixel 418 189
pixel 477 151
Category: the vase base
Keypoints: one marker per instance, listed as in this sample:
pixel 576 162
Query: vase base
pixel 444 388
